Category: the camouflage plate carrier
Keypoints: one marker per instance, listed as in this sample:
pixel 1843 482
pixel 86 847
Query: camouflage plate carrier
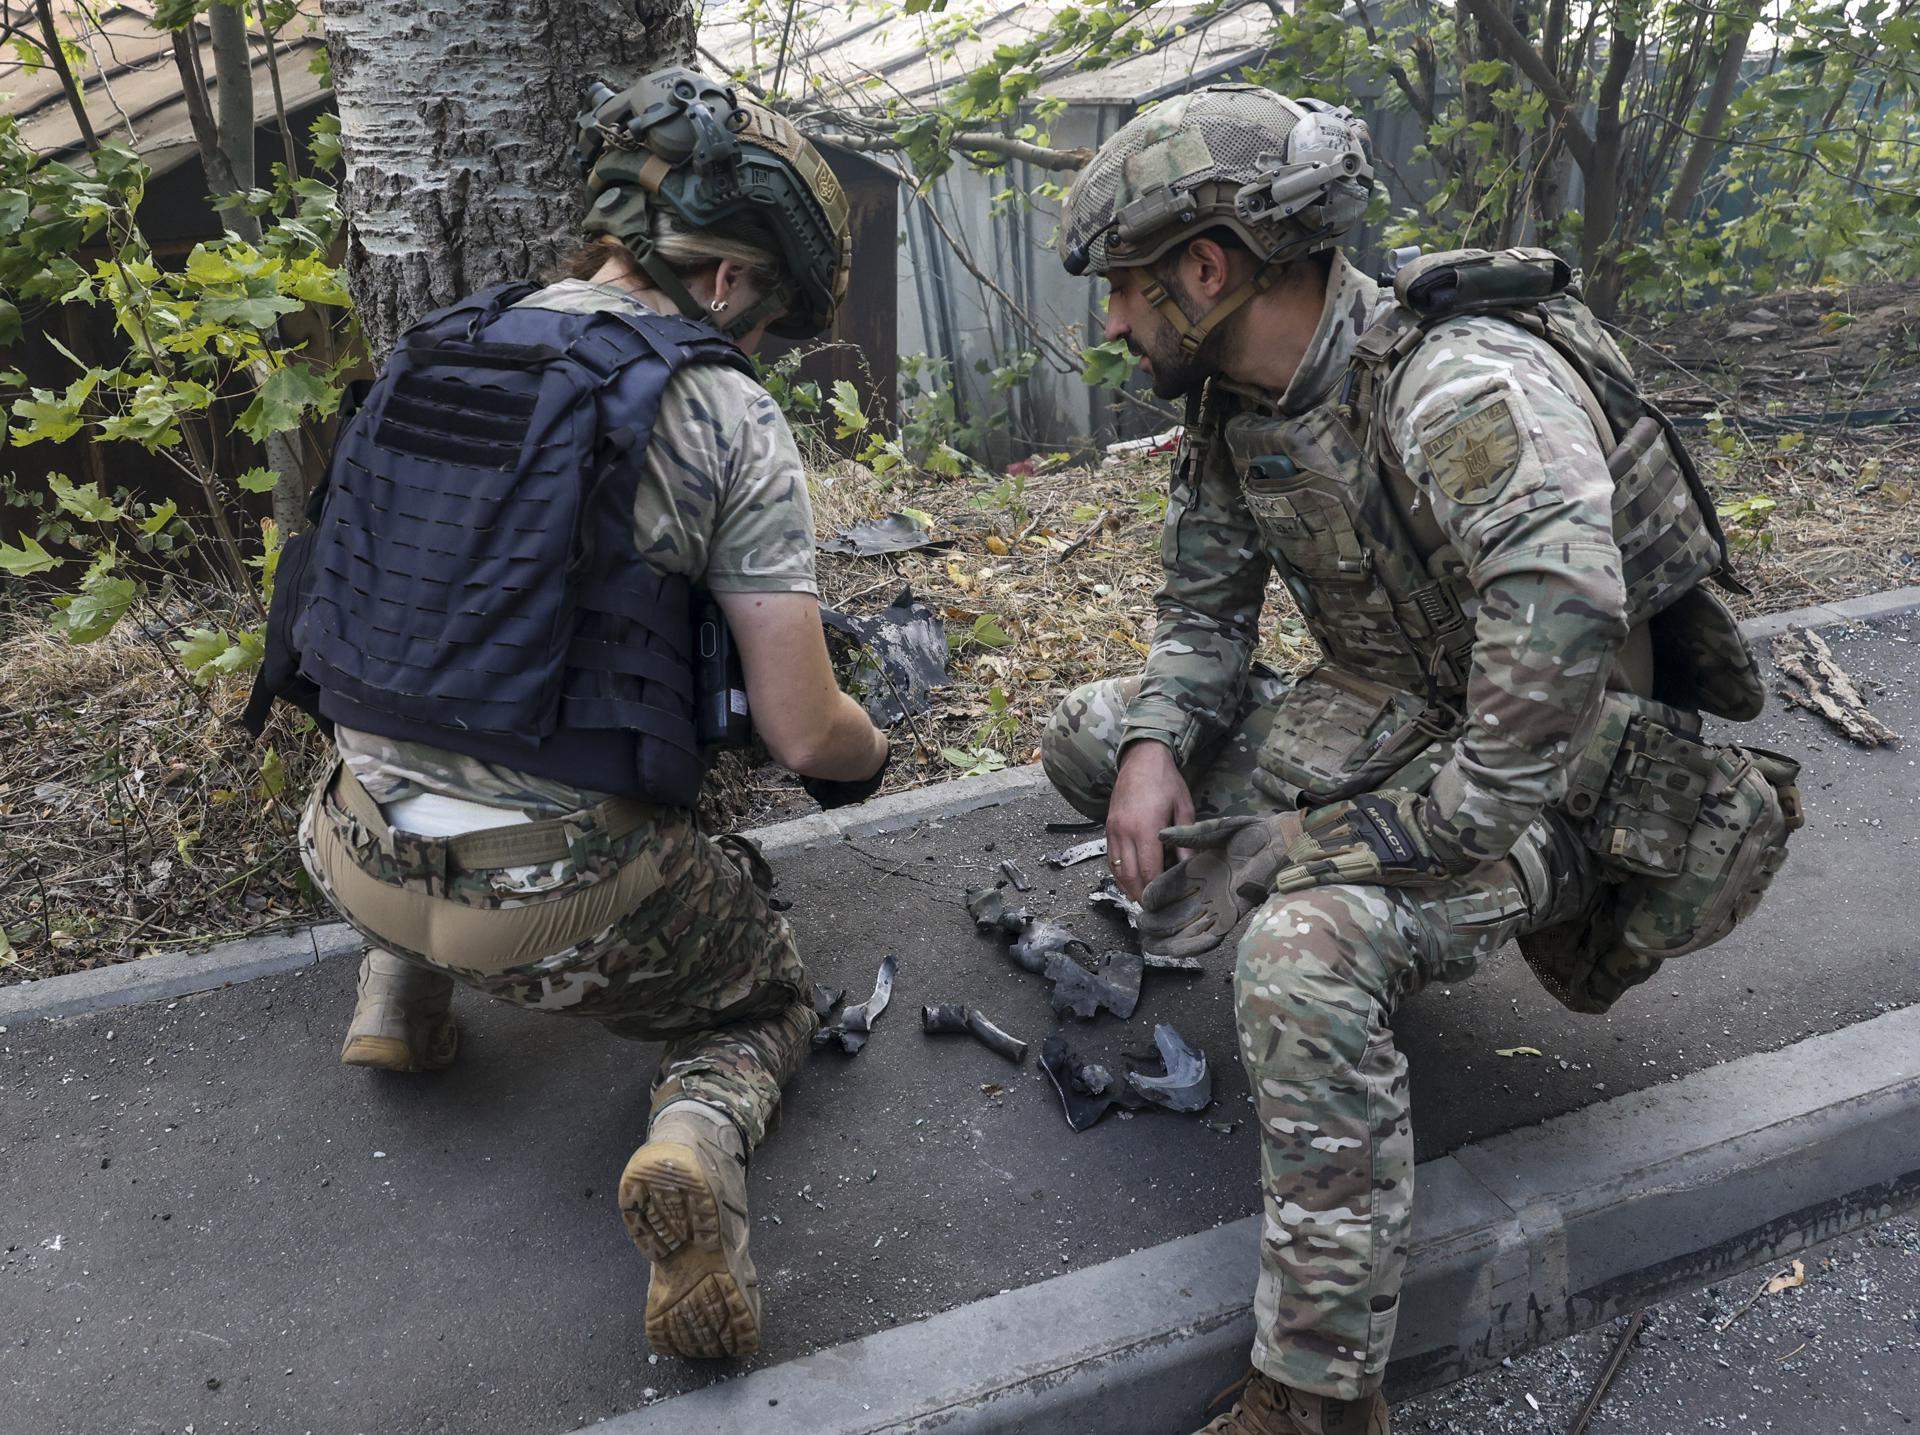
pixel 1688 834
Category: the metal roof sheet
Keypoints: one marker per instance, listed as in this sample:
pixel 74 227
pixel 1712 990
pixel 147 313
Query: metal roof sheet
pixel 132 90
pixel 852 55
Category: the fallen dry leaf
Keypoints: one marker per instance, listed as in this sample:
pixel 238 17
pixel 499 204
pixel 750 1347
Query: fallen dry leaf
pixel 1788 1279
pixel 1518 1051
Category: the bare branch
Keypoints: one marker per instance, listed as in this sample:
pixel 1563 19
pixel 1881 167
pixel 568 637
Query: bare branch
pixel 1500 27
pixel 57 57
pixel 287 145
pixel 971 142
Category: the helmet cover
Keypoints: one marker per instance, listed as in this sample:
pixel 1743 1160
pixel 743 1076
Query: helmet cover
pixel 687 144
pixel 1286 177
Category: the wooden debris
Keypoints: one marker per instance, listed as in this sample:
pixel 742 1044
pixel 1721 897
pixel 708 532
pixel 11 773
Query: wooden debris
pixel 1820 685
pixel 1607 1372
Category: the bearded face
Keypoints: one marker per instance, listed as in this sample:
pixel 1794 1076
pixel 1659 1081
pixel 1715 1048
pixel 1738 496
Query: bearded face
pixel 1151 337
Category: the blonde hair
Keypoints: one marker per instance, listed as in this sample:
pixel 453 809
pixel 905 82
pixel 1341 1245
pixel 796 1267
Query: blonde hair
pixel 685 250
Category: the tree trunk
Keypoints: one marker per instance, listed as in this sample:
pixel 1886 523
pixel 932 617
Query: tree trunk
pixel 458 130
pixel 1706 138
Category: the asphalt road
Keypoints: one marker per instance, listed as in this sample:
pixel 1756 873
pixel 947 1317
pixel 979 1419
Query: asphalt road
pixel 206 1221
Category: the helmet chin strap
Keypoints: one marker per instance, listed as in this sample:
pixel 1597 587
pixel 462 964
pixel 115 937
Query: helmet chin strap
pixel 768 306
pixel 1193 332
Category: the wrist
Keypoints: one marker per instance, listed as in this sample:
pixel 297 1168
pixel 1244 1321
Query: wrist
pixel 1146 749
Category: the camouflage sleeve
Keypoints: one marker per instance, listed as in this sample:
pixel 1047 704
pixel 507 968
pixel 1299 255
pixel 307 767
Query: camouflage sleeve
pixel 720 438
pixel 1208 608
pixel 1488 422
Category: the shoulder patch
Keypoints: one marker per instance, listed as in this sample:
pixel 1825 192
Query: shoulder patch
pixel 1473 452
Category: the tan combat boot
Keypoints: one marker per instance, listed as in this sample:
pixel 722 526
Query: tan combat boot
pixel 403 1019
pixel 684 1199
pixel 1266 1407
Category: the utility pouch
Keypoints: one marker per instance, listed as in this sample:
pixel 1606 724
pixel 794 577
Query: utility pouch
pixel 1473 281
pixel 721 709
pixel 1750 806
pixel 1326 726
pixel 1634 793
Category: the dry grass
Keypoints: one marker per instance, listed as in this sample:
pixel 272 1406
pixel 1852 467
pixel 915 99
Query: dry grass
pixel 133 813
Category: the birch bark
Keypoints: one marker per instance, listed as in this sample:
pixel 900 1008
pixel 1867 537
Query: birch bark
pixel 457 123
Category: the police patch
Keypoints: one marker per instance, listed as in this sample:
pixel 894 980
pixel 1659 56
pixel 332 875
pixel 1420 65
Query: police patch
pixel 1472 455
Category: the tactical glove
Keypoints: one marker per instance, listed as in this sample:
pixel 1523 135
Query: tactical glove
pixel 1377 839
pixel 1190 907
pixel 830 793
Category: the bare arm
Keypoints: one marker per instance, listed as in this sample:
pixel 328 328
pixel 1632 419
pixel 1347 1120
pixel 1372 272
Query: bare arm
pixel 807 723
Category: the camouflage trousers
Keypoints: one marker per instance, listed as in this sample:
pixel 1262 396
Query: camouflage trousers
pixel 659 934
pixel 1318 979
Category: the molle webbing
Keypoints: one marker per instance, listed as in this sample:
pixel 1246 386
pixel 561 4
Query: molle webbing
pixel 475 582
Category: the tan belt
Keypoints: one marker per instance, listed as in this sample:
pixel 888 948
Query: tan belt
pixel 578 835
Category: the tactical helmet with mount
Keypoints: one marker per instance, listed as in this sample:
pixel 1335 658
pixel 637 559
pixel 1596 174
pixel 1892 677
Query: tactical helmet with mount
pixel 1287 178
pixel 680 143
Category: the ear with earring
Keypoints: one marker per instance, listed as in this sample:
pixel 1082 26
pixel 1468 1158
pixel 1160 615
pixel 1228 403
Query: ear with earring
pixel 718 306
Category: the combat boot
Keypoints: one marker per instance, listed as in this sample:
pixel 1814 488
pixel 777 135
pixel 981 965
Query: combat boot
pixel 684 1199
pixel 1266 1407
pixel 403 1018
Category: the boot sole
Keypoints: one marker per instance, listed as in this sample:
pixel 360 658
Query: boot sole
pixel 696 1308
pixel 391 1053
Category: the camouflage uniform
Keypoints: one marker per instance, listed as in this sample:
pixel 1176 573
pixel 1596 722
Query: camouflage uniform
pixel 702 962
pixel 1503 465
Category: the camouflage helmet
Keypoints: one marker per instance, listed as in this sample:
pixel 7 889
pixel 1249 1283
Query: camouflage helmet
pixel 1286 177
pixel 687 145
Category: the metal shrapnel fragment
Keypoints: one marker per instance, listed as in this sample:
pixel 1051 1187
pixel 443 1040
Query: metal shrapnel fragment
pixel 1186 1084
pixel 1084 1086
pixel 903 656
pixel 1079 852
pixel 1016 876
pixel 990 912
pixel 1040 941
pixel 1108 894
pixel 855 1023
pixel 896 533
pixel 825 999
pixel 1114 985
pixel 956 1018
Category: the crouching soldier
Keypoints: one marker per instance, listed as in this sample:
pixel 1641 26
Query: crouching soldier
pixel 496 613
pixel 1501 550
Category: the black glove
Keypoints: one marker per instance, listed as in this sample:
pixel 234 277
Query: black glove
pixel 830 793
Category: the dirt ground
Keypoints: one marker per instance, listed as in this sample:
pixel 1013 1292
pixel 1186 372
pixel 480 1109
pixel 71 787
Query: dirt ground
pixel 134 816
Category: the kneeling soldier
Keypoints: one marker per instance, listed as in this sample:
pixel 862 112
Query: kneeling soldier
pixel 498 613
pixel 1500 549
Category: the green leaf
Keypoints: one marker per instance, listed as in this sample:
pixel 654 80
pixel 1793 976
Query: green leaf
pixel 258 480
pixel 987 632
pixel 283 399
pixel 85 502
pixel 256 311
pixel 273 774
pixel 53 418
pixel 160 517
pixel 849 417
pixel 29 557
pixel 1107 366
pixel 92 612
pixel 199 648
pixel 10 325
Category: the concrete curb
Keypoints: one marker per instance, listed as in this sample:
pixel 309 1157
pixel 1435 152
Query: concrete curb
pixel 173 974
pixel 1518 1239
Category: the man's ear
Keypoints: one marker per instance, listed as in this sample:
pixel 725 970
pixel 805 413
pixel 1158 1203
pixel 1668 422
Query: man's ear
pixel 1208 269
